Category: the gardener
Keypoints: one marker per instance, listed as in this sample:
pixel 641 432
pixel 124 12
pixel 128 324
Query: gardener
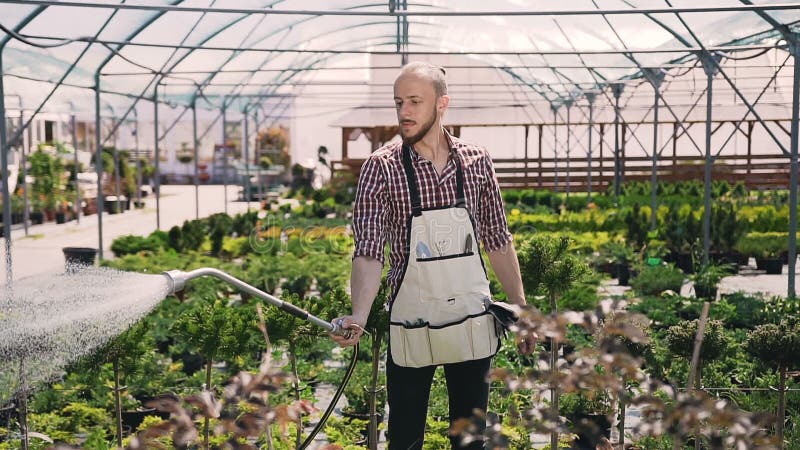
pixel 434 197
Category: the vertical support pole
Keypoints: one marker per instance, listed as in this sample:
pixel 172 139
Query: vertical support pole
pixel 77 207
pixel 624 129
pixel 345 135
pixel 138 157
pixel 654 166
pixel 569 150
pixel 750 125
pixel 655 77
pixel 157 173
pixel 117 186
pixel 22 398
pixel 710 68
pixel 590 96
pixel 98 165
pixel 246 150
pixel 4 174
pixel 675 126
pixel 26 216
pixel 601 157
pixel 794 46
pixel 257 158
pixel 617 91
pixel 554 107
pixel 539 165
pixel 225 154
pixel 196 162
pixel 527 133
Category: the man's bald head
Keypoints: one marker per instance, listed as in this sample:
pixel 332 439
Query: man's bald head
pixel 429 72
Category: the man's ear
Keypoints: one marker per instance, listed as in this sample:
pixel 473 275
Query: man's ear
pixel 442 104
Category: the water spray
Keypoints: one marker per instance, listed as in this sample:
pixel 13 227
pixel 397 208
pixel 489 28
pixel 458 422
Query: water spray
pixel 52 320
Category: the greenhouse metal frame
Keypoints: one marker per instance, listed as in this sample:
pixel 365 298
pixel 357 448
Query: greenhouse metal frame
pixel 208 54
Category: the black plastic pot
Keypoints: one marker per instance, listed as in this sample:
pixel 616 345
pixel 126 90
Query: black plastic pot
pixel 37 217
pixel 77 258
pixel 684 262
pixel 590 428
pixel 708 292
pixel 623 274
pixel 133 419
pixel 773 266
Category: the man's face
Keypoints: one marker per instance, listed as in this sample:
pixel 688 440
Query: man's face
pixel 416 104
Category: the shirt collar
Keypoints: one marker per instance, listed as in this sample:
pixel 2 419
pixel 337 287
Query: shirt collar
pixel 415 157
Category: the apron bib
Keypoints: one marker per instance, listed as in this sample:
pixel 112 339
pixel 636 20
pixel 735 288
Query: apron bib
pixel 439 313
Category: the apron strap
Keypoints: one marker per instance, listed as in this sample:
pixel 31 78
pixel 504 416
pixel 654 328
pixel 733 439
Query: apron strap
pixel 416 203
pixel 413 190
pixel 461 198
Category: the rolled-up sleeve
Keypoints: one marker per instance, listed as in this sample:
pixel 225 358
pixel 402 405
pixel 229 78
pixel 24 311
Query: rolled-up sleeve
pixel 370 211
pixel 491 217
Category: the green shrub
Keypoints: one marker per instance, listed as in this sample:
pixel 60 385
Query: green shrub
pixel 680 339
pixel 777 344
pixel 763 245
pixel 777 308
pixel 193 234
pixel 653 280
pixel 130 244
pixel 748 309
pixel 581 297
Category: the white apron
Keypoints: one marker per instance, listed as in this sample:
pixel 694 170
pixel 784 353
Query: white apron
pixel 438 314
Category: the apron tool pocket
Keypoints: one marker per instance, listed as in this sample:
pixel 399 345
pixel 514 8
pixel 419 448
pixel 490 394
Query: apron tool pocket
pixel 447 276
pixel 471 338
pixel 410 347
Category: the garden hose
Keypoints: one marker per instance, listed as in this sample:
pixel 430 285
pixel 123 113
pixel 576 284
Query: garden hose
pixel 334 400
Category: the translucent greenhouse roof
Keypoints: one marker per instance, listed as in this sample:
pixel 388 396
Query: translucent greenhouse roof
pixel 248 51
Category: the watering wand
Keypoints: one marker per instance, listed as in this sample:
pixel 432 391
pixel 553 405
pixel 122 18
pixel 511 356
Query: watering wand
pixel 178 279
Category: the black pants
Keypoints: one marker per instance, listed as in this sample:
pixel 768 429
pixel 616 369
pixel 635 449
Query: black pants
pixel 408 390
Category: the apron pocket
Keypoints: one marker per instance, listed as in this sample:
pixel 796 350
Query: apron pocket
pixel 485 340
pixel 452 343
pixel 446 277
pixel 468 339
pixel 411 347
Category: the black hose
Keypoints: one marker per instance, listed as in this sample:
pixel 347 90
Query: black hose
pixel 334 400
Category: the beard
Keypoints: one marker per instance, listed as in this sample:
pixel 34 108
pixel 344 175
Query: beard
pixel 426 127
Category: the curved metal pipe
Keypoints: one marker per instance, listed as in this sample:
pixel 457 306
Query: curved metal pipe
pixel 178 279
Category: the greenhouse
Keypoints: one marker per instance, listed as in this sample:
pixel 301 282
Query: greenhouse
pixel 180 184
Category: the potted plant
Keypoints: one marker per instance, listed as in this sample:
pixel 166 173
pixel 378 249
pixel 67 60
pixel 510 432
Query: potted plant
pixel 623 255
pixel 680 341
pixel 36 214
pixel 185 155
pixel 681 229
pixel 216 330
pixel 62 208
pixel 767 248
pixel 589 414
pixel 706 279
pixel 655 280
pixel 548 268
pixel 17 208
pixel 778 345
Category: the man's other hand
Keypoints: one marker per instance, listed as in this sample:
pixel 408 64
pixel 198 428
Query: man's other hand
pixel 526 343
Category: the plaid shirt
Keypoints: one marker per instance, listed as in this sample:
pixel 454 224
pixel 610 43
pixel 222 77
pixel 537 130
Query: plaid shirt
pixel 383 205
